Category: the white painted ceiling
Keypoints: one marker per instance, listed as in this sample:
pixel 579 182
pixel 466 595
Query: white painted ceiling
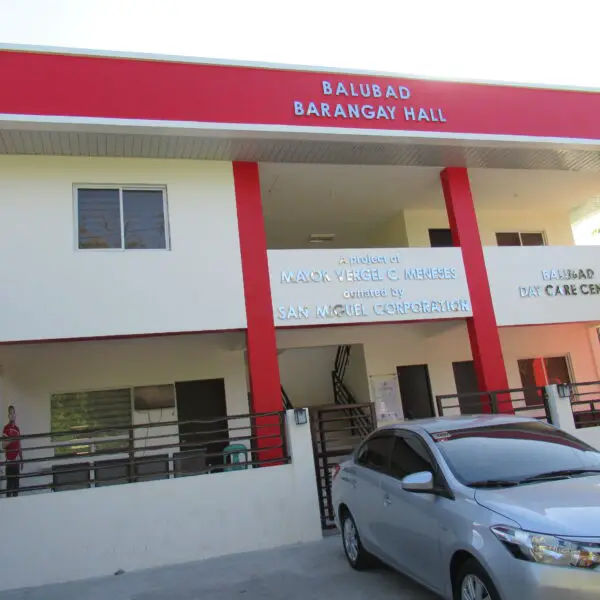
pixel 351 201
pixel 347 200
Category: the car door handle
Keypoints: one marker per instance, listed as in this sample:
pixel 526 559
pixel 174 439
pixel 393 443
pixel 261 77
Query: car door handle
pixel 387 500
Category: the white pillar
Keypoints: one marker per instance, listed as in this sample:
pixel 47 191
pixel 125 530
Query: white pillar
pixel 560 410
pixel 300 446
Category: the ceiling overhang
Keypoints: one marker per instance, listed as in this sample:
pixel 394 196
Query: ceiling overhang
pixel 168 142
pixel 67 103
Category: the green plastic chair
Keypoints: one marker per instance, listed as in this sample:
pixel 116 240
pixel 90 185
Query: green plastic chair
pixel 233 455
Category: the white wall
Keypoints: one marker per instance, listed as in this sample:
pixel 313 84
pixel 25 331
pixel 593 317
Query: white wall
pixel 356 378
pixel 52 290
pixel 522 296
pixel 440 344
pixel 419 222
pixel 306 375
pixel 88 533
pixel 586 231
pixel 554 223
pixel 392 234
pixel 389 346
pixel 384 293
pixel 544 341
pixel 33 372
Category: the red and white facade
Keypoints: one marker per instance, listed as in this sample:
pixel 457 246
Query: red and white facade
pixel 253 160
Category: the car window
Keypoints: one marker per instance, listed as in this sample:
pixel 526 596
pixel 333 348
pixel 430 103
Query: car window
pixel 375 453
pixel 512 451
pixel 409 456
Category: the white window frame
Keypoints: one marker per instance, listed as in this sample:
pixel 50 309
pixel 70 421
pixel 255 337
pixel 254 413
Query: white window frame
pixel 520 234
pixel 121 187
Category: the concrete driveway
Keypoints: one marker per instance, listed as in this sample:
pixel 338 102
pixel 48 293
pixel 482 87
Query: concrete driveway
pixel 311 571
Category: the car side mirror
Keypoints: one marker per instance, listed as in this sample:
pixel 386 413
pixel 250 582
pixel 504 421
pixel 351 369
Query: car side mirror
pixel 420 483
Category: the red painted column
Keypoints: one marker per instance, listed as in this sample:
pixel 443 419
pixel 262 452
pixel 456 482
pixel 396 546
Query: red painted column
pixel 539 372
pixel 263 365
pixel 482 326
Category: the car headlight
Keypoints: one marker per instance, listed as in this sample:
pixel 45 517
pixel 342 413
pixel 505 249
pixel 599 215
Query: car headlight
pixel 548 549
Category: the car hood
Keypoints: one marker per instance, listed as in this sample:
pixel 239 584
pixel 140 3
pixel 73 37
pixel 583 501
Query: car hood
pixel 565 507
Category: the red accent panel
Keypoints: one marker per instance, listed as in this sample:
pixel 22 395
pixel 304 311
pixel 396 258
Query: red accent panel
pixel 539 372
pixel 85 86
pixel 263 364
pixel 482 326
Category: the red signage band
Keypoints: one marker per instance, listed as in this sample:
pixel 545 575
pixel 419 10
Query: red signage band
pixel 122 88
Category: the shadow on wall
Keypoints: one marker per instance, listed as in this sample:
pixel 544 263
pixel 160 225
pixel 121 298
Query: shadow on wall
pixel 306 374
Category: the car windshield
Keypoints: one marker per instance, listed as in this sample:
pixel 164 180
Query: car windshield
pixel 513 452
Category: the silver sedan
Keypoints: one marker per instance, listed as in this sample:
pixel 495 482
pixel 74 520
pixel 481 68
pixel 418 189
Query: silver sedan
pixel 475 508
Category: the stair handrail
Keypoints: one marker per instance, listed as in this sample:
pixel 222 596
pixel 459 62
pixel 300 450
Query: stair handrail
pixel 287 404
pixel 343 396
pixel 342 358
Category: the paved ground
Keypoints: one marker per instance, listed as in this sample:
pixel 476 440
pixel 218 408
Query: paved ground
pixel 308 572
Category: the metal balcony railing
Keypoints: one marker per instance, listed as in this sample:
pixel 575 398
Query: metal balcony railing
pixel 527 402
pixel 585 403
pixel 66 460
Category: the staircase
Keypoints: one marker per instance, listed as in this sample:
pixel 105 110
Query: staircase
pixel 287 405
pixel 337 429
pixel 361 424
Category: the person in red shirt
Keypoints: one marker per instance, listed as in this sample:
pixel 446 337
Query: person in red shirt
pixel 13 452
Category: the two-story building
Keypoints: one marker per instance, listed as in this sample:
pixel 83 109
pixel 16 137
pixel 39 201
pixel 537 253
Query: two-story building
pixel 190 247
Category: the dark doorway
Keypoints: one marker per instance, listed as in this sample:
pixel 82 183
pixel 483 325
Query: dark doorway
pixel 466 383
pixel 200 401
pixel 440 238
pixel 538 372
pixel 415 391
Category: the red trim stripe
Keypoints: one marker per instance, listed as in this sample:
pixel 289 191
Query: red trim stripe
pixel 125 88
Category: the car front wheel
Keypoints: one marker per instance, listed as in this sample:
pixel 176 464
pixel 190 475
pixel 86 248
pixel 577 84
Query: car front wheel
pixel 356 555
pixel 473 583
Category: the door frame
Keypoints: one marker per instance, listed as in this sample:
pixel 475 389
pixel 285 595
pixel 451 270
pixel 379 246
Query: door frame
pixel 429 389
pixel 567 356
pixel 469 395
